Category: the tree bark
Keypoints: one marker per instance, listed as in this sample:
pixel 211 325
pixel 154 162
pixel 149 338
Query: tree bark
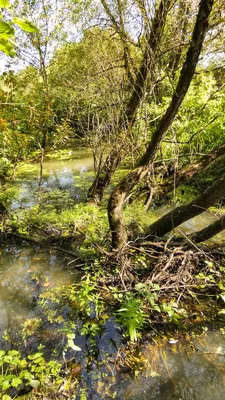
pixel 119 194
pixel 103 178
pixel 127 117
pixel 183 213
pixel 208 232
pixel 189 172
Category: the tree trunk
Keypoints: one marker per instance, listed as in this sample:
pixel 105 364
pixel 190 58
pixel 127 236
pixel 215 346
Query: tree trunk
pixel 43 145
pixel 183 213
pixel 40 178
pixel 119 194
pixel 189 172
pixel 208 232
pixel 103 178
pixel 127 117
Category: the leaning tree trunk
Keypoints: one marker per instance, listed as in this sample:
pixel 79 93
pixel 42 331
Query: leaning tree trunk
pixel 208 232
pixel 189 172
pixel 119 194
pixel 183 213
pixel 127 118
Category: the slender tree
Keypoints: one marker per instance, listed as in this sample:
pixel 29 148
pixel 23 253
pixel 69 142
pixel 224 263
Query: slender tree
pixel 129 110
pixel 119 194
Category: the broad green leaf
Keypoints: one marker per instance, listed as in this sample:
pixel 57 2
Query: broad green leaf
pixel 25 25
pixel 35 356
pixel 6 384
pixel 16 382
pixel 13 353
pixel 7 47
pixel 6 397
pixel 4 4
pixel 6 29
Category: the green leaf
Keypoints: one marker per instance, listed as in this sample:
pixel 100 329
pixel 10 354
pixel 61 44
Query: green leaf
pixel 6 384
pixel 16 382
pixel 140 286
pixel 4 4
pixel 13 353
pixel 6 397
pixel 25 25
pixel 35 356
pixel 2 353
pixel 7 48
pixel 6 28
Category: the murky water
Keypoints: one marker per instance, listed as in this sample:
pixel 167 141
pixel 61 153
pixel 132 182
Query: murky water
pixel 72 176
pixel 25 272
pixel 182 372
pixel 171 371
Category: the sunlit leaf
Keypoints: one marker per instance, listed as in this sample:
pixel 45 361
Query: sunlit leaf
pixel 16 382
pixel 6 397
pixel 4 4
pixel 6 29
pixel 25 25
pixel 7 48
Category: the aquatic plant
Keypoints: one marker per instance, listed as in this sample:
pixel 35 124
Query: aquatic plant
pixel 19 373
pixel 132 317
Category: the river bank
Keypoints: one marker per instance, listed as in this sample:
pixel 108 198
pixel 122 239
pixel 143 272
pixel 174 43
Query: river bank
pixel 63 297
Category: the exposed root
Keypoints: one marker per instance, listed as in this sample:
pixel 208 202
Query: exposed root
pixel 173 266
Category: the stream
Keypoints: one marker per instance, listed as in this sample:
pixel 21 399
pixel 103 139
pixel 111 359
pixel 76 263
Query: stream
pixel 173 370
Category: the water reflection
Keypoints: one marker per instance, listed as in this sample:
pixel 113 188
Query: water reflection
pixel 182 373
pixel 57 175
pixel 25 272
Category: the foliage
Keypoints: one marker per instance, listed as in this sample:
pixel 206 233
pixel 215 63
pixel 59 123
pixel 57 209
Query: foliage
pixel 7 30
pixel 26 373
pixel 132 317
pixel 81 62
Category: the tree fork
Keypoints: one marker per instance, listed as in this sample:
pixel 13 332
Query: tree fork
pixel 127 118
pixel 119 194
